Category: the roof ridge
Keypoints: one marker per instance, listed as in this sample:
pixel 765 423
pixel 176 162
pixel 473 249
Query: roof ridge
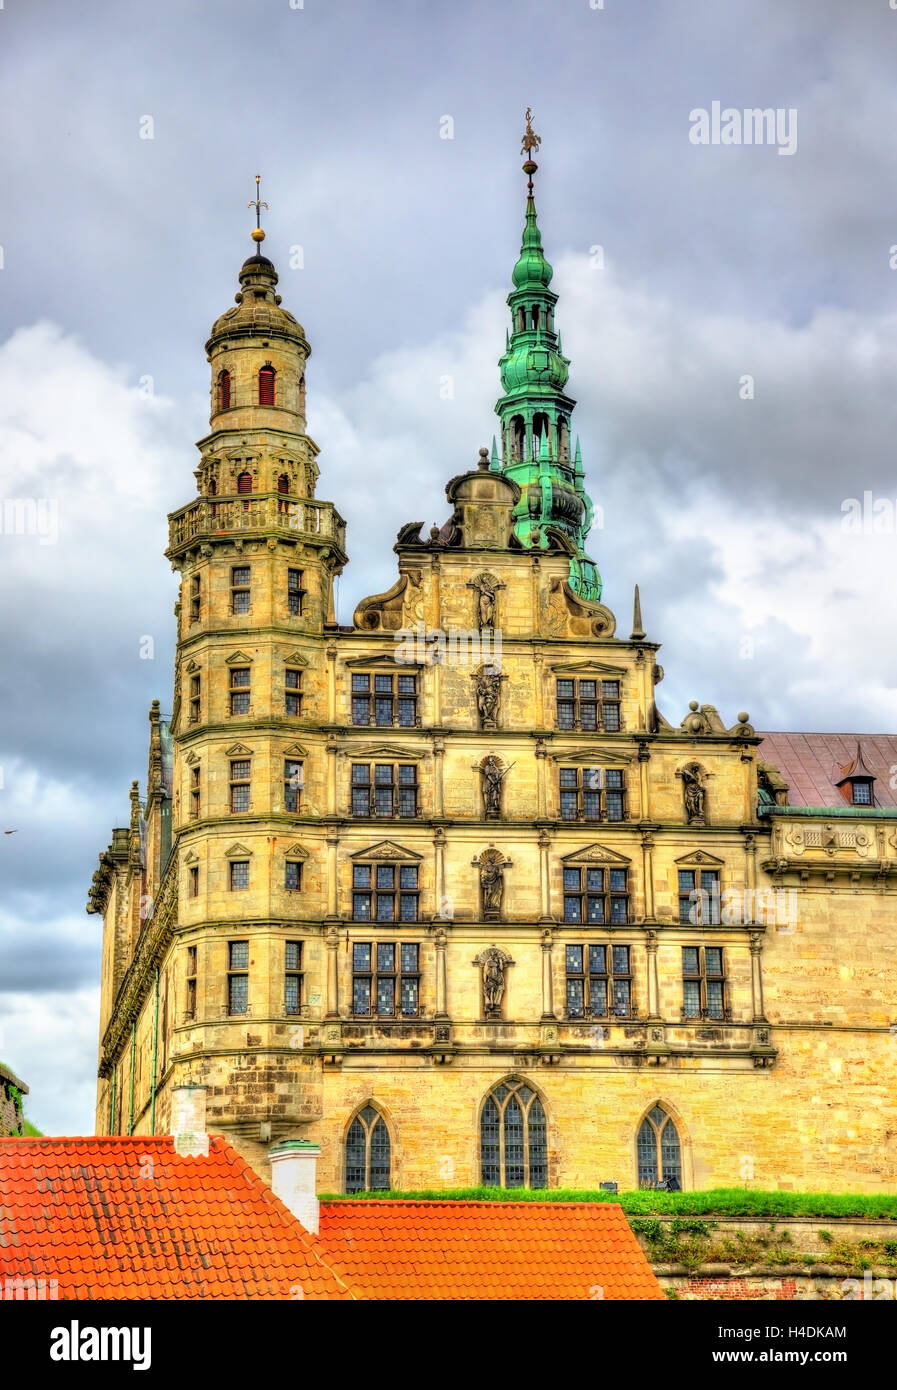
pixel 460 1202
pixel 308 1239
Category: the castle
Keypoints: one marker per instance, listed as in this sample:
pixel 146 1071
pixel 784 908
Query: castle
pixel 443 890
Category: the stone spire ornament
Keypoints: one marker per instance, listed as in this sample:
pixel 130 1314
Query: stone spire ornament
pixel 535 411
pixel 638 631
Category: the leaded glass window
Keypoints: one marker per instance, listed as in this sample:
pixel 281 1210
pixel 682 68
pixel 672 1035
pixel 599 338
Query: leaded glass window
pixel 599 981
pixel 703 982
pixel 385 892
pixel 368 1153
pixel 385 979
pixel 658 1150
pixel 699 900
pixel 596 896
pixel 392 701
pixel 513 1138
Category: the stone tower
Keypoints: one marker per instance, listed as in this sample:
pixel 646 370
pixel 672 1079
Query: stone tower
pixel 441 889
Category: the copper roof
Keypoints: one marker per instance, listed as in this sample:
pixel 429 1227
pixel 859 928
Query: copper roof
pixel 814 764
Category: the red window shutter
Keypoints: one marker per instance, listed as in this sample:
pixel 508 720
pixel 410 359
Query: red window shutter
pixel 283 483
pixel 224 391
pixel 266 386
pixel 244 482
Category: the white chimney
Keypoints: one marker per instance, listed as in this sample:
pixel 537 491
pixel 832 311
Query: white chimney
pixel 188 1121
pixel 294 1166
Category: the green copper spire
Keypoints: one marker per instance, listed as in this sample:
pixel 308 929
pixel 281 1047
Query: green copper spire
pixel 535 410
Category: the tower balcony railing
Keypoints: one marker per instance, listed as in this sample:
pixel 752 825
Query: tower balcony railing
pixel 211 516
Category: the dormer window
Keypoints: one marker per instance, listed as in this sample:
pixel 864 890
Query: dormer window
pixel 861 790
pixel 267 376
pixel 855 782
pixel 224 390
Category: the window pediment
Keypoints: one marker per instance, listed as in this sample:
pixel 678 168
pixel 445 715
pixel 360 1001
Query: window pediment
pixel 191 666
pixel 384 750
pixel 191 858
pixel 237 851
pixel 295 659
pixel 296 851
pixel 587 668
pixel 387 662
pixel 297 750
pixel 591 757
pixel 191 759
pixel 595 854
pixel 388 849
pixel 698 858
pixel 238 659
pixel 238 750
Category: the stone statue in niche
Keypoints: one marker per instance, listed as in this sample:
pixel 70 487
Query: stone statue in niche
pixel 488 690
pixel 493 983
pixel 492 882
pixel 492 776
pixel 491 864
pixel 487 595
pixel 693 791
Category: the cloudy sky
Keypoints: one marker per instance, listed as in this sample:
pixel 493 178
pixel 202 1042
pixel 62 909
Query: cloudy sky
pixel 716 263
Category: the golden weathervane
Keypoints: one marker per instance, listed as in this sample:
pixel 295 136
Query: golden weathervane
pixel 257 232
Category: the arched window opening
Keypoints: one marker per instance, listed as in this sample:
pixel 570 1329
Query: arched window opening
pixel 659 1152
pixel 213 488
pixel 244 482
pixel 224 390
pixel 513 1138
pixel 518 439
pixel 283 483
pixel 521 320
pixel 535 317
pixel 367 1153
pixel 563 439
pixel 540 429
pixel 267 376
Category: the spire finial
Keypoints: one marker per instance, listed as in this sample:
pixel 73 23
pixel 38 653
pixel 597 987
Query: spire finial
pixel 257 233
pixel 638 632
pixel 531 143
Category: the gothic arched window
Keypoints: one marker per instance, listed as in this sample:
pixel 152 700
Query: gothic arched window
pixel 367 1153
pixel 659 1152
pixel 224 390
pixel 244 482
pixel 267 377
pixel 513 1142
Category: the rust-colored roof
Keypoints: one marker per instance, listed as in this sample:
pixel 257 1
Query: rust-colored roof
pixel 813 764
pixel 117 1217
pixel 486 1250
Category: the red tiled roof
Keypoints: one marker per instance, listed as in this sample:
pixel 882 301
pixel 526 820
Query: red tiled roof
pixel 486 1250
pixel 129 1218
pixel 812 765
